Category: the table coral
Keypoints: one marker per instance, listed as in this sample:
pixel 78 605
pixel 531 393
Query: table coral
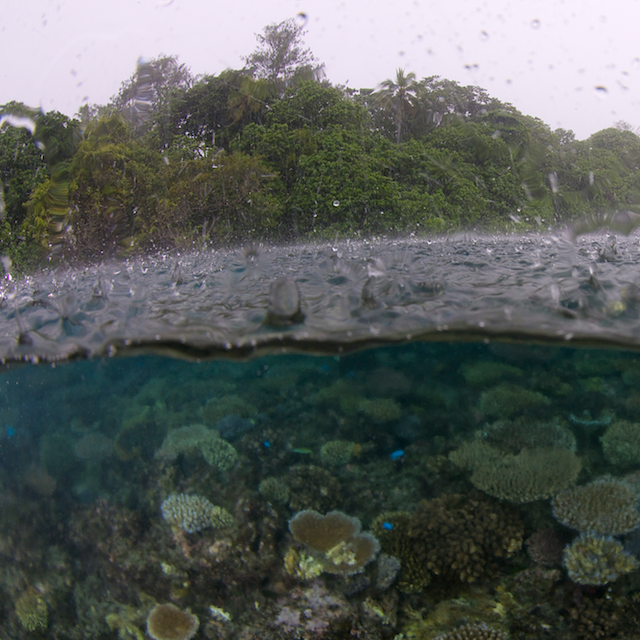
pixel 606 506
pixel 594 560
pixel 532 474
pixel 336 538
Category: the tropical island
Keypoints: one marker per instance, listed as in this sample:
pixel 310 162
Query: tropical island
pixel 274 152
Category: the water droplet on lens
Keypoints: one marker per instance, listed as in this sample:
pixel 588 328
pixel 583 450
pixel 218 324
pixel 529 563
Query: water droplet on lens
pixel 602 90
pixel 301 19
pixel 535 24
pixel 484 36
pixel 336 203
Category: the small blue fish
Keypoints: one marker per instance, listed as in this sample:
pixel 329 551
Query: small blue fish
pixel 10 432
pixel 396 455
pixel 266 443
pixel 387 525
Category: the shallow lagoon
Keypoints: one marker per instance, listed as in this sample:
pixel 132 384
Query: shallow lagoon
pixel 461 458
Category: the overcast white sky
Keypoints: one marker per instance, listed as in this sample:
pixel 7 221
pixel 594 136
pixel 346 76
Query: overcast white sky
pixel 547 57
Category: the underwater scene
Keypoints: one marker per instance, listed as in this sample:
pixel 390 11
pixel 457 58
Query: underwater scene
pixel 428 490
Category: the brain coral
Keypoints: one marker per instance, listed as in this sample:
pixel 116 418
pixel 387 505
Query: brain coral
pixel 193 513
pixel 621 444
pixel 594 560
pixel 606 506
pixel 197 437
pixel 532 474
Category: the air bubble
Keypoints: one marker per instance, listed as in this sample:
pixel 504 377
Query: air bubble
pixel 535 24
pixel 301 19
pixel 336 203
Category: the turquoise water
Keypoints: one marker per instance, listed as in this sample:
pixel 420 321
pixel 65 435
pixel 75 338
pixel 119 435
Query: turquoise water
pixel 484 483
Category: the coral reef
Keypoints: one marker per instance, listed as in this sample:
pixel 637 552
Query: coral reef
pixel 488 372
pixel 604 617
pixel 312 487
pixel 167 622
pixel 381 409
pixel 511 436
pixel 449 538
pixel 605 506
pixel 621 444
pixel 596 560
pixel 197 437
pixel 336 538
pixel 336 453
pixel 474 631
pixel 194 513
pixel 274 490
pixel 532 474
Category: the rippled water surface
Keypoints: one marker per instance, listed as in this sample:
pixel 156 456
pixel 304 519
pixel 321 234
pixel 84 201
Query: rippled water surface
pixel 443 401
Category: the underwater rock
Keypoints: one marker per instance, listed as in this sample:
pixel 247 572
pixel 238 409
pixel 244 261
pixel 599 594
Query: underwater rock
pixel 605 506
pixel 167 622
pixel 595 560
pixel 194 513
pixel 336 538
pixel 474 631
pixel 533 474
pixel 621 444
pixel 197 437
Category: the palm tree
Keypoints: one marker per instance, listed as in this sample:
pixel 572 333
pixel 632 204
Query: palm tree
pixel 398 96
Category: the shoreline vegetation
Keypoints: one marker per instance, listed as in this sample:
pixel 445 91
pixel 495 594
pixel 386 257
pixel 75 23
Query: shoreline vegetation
pixel 275 153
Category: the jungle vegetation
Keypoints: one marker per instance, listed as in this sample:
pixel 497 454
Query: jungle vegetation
pixel 274 152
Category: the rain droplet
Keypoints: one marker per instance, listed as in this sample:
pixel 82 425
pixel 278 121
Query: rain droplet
pixel 336 203
pixel 484 36
pixel 553 181
pixel 301 19
pixel 535 24
pixel 602 90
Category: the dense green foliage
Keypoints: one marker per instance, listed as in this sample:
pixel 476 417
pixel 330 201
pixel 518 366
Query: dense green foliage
pixel 272 152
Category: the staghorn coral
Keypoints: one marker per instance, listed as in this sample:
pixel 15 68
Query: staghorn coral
pixel 167 622
pixel 32 611
pixel 606 507
pixel 532 474
pixel 336 538
pixel 474 631
pixel 197 437
pixel 509 400
pixel 595 560
pixel 621 444
pixel 193 513
pixel 452 537
pixel 337 452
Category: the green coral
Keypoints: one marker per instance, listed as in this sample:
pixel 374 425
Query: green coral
pixel 197 437
pixel 621 444
pixel 595 560
pixel 509 400
pixel 532 474
pixel 337 452
pixel 32 611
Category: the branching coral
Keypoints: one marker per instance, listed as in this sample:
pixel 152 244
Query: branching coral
pixel 606 506
pixel 32 611
pixel 594 560
pixel 532 474
pixel 451 538
pixel 197 437
pixel 621 444
pixel 193 513
pixel 336 538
